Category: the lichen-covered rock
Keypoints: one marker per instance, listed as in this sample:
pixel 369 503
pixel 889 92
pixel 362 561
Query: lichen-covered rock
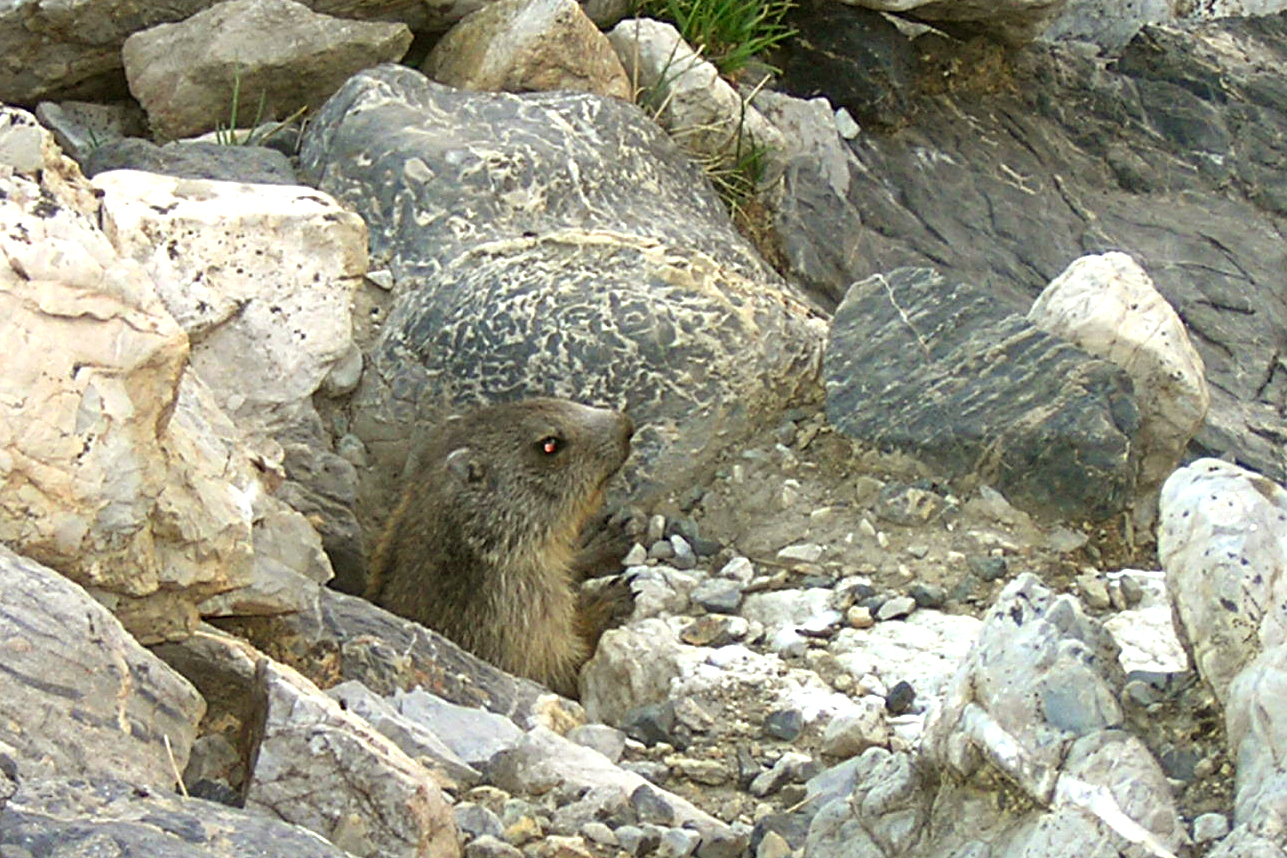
pixel 617 280
pixel 81 697
pixel 1257 742
pixel 104 815
pixel 1106 305
pixel 703 113
pixel 528 46
pixel 326 769
pixel 942 372
pixel 261 277
pixel 1222 539
pixel 241 54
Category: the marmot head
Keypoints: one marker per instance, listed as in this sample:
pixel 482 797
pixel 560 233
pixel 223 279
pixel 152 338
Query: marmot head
pixel 532 471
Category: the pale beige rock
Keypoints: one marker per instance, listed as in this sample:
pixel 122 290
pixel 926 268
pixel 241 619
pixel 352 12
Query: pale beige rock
pixel 81 698
pixel 329 771
pixel 184 74
pixel 1222 543
pixel 528 46
pixel 1107 306
pixel 260 276
pixel 702 112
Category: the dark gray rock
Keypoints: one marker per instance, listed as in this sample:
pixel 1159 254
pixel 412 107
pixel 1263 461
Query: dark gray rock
pixel 605 269
pixel 854 56
pixel 75 818
pixel 785 724
pixel 1012 169
pixel 192 160
pixel 941 371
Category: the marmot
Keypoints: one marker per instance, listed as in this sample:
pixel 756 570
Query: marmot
pixel 484 543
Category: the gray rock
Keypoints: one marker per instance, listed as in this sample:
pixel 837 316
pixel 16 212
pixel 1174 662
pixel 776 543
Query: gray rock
pixel 191 160
pixel 606 740
pixel 81 696
pixel 636 841
pixel 1108 23
pixel 1257 742
pixel 81 127
pixel 896 608
pixel 413 729
pixel 323 768
pixel 474 820
pixel 79 817
pixel 633 242
pixel 489 846
pixel 473 735
pixel 1210 826
pixel 848 734
pixel 1111 157
pixel 349 638
pixel 719 596
pixel 990 395
pixel 287 57
pixel 678 843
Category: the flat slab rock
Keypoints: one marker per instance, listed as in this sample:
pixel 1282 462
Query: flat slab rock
pixel 941 371
pixel 79 818
pixel 80 695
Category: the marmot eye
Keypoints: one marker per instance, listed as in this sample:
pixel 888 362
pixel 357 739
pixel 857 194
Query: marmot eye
pixel 550 444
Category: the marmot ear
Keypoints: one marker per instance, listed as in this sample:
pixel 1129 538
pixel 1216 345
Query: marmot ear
pixel 462 463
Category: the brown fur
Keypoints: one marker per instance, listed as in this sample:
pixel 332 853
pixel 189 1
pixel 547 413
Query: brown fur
pixel 484 544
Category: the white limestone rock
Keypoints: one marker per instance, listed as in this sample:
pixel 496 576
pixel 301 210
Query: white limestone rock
pixel 261 277
pixel 1222 540
pixel 1106 305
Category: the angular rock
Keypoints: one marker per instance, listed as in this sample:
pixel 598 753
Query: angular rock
pixel 192 160
pixel 232 57
pixel 261 278
pixel 84 817
pixel 1012 21
pixel 1017 165
pixel 81 128
pixel 80 695
pixel 857 57
pixel 1257 742
pixel 633 288
pixel 343 637
pixel 474 735
pixel 528 46
pixel 1106 305
pixel 1222 542
pixel 118 478
pixel 1107 23
pixel 944 373
pixel 329 771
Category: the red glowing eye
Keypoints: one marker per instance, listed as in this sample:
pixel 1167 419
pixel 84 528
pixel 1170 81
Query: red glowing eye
pixel 550 445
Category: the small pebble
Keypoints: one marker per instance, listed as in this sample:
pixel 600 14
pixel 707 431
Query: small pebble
pixel 678 843
pixel 918 550
pixel 651 806
pixel 656 529
pixel 896 608
pixel 987 568
pixel 661 550
pixel 636 556
pixel 739 569
pixel 1132 590
pixel 608 741
pixel 773 845
pixel 635 840
pixel 808 552
pixel 650 723
pixel 488 846
pixel 900 698
pixel 523 830
pixel 717 595
pixel 710 630
pixel 556 846
pixel 928 595
pixel 785 724
pixel 1210 826
pixel 684 558
pixel 1094 591
pixel 476 820
pixel 788 643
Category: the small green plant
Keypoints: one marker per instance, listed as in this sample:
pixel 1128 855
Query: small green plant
pixel 226 135
pixel 729 33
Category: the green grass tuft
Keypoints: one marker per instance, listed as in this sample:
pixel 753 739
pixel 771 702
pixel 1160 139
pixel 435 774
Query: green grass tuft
pixel 729 33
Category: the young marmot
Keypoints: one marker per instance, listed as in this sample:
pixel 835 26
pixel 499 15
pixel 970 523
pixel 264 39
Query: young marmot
pixel 483 545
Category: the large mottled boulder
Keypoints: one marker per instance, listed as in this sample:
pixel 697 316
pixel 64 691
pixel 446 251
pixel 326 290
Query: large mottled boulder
pixel 1106 305
pixel 1259 744
pixel 84 817
pixel 1222 540
pixel 1033 710
pixel 258 58
pixel 76 710
pixel 326 769
pixel 528 46
pixel 554 244
pixel 940 370
pixel 1012 166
